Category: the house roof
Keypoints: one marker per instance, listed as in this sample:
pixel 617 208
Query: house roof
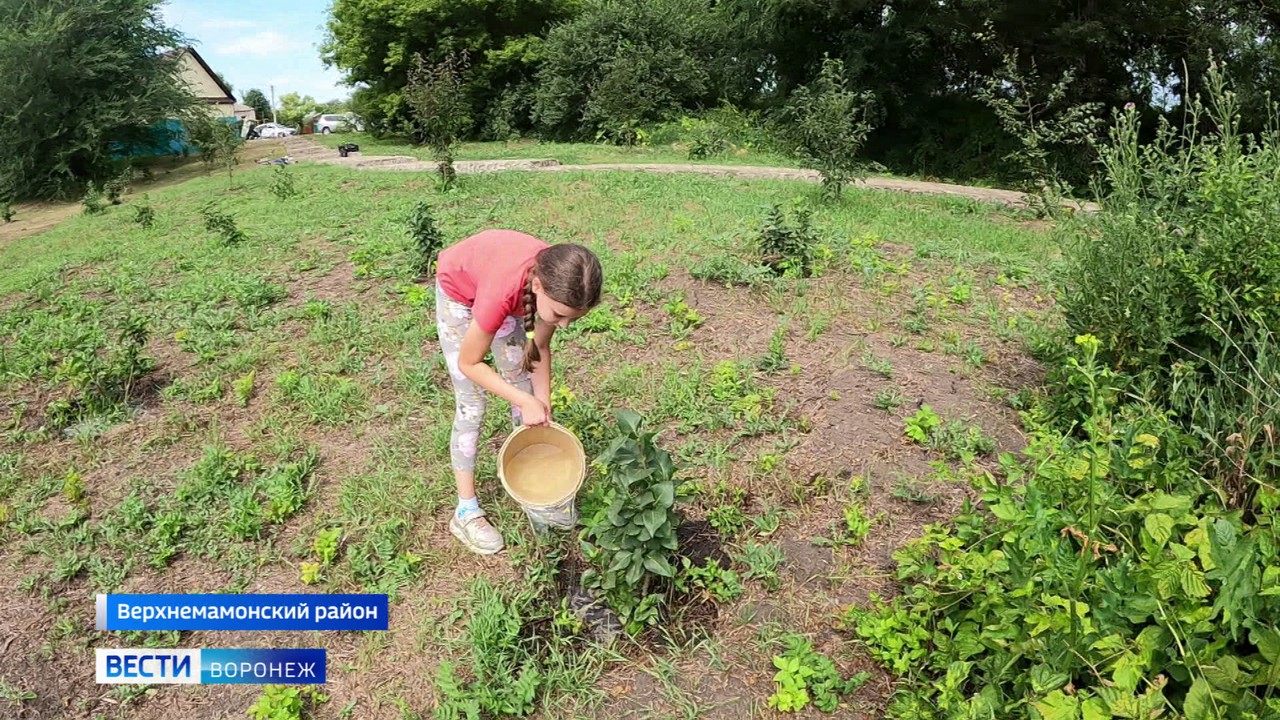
pixel 226 91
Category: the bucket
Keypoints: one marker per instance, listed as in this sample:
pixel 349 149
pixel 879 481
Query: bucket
pixel 542 468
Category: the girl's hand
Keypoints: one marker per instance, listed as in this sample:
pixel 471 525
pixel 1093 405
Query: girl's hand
pixel 534 413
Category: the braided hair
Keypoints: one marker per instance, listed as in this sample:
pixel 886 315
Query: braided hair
pixel 569 274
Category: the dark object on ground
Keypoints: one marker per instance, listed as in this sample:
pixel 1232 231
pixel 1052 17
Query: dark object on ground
pixel 348 148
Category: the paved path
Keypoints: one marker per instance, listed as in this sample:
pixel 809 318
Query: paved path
pixel 303 150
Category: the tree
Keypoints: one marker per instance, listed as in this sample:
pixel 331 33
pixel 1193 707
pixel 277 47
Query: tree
pixel 374 42
pixel 826 123
pixel 256 100
pixel 295 108
pixel 217 141
pixel 80 80
pixel 625 63
pixel 439 107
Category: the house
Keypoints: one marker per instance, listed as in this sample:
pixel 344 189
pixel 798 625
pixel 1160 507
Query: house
pixel 209 88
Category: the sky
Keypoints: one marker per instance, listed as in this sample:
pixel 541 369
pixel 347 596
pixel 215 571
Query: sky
pixel 257 44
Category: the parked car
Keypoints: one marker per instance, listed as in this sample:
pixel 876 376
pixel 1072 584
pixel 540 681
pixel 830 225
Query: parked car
pixel 274 130
pixel 326 124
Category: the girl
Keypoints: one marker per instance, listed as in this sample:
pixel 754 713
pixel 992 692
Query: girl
pixel 503 291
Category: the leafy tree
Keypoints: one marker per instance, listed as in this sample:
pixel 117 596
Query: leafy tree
pixel 295 108
pixel 374 43
pixel 217 140
pixel 80 79
pixel 1040 121
pixel 825 124
pixel 622 64
pixel 436 98
pixel 256 100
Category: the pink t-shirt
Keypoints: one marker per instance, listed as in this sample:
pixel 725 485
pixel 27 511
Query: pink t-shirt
pixel 487 272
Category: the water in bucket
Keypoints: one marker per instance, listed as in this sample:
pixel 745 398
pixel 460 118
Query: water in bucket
pixel 542 469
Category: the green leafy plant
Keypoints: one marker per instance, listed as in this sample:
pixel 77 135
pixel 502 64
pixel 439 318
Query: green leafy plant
pixel 921 426
pixel 684 319
pixel 880 366
pixel 888 398
pixel 144 214
pixel 6 211
pixel 1148 594
pixel 787 242
pixel 730 270
pixel 115 186
pixel 217 221
pixel 630 543
pixel 776 358
pixel 762 563
pixel 310 573
pixel 1042 121
pixel 243 387
pixel 504 673
pixel 325 545
pixel 728 519
pixel 285 702
pixel 218 141
pixel 721 584
pixel 956 438
pixel 73 487
pixel 428 240
pixel 282 184
pixel 825 124
pixel 93 200
pixel 805 675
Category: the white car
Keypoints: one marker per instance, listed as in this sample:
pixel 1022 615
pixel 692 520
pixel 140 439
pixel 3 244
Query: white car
pixel 274 130
pixel 326 124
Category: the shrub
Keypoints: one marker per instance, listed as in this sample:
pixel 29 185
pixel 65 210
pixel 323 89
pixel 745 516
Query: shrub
pixel 114 188
pixel 631 543
pixel 144 214
pixel 428 240
pixel 221 223
pixel 825 124
pixel 92 200
pixel 1178 273
pixel 282 185
pixel 6 211
pixel 101 376
pixel 788 243
pixel 1101 578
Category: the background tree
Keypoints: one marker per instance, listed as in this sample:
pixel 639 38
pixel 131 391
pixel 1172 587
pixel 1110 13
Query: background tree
pixel 79 79
pixel 624 63
pixel 374 42
pixel 295 108
pixel 256 100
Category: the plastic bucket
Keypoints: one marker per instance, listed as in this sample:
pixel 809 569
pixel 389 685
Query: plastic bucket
pixel 542 468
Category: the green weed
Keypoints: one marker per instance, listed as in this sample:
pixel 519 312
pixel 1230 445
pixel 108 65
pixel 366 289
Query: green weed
pixel 762 563
pixel 888 398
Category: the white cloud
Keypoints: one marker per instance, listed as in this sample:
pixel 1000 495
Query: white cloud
pixel 262 44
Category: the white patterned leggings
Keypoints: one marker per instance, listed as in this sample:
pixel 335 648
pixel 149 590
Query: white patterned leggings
pixel 452 320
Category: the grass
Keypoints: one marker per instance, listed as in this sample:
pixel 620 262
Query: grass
pixel 566 153
pixel 294 431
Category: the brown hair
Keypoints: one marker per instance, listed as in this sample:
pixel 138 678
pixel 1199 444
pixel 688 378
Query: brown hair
pixel 570 274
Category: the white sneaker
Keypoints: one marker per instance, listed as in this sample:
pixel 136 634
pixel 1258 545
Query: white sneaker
pixel 479 537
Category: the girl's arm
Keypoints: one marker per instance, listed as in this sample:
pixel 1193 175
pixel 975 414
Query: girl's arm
pixel 542 369
pixel 471 363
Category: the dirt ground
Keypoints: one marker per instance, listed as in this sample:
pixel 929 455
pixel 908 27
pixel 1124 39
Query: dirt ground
pixel 720 671
pixel 36 217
